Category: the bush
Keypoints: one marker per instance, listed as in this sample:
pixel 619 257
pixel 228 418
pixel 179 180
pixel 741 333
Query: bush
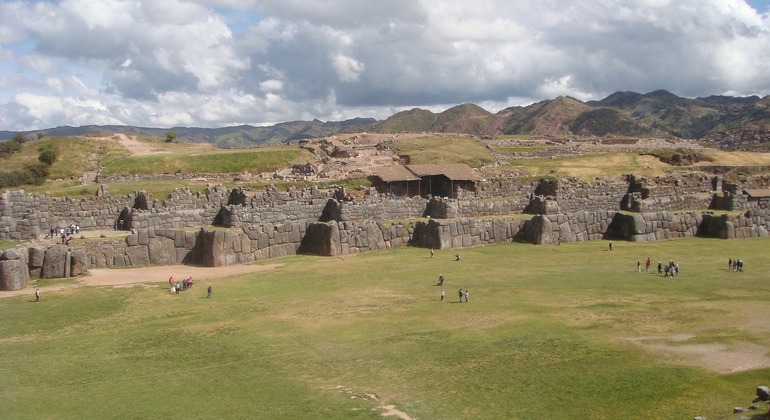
pixel 48 154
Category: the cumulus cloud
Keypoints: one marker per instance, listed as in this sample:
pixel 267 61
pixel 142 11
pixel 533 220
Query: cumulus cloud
pixel 221 62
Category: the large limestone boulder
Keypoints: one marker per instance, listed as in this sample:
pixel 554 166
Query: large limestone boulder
pixel 13 274
pixel 55 262
pixel 36 256
pixel 162 251
pixel 80 262
pixel 137 256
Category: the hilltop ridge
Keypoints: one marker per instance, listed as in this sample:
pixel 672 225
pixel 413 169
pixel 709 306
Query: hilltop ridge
pixel 723 120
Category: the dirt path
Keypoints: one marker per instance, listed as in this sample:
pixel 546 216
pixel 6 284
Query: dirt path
pixel 127 277
pixel 136 147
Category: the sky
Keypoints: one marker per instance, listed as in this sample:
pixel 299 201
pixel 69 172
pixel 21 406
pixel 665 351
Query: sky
pixel 215 63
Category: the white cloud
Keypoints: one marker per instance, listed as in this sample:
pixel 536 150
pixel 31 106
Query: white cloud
pixel 348 69
pixel 221 62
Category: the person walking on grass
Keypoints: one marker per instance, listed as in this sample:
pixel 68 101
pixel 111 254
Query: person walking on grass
pixel 208 295
pixel 460 293
pixel 37 295
pixel 442 295
pixel 467 293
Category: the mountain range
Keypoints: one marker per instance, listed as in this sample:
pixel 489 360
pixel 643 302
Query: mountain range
pixel 725 120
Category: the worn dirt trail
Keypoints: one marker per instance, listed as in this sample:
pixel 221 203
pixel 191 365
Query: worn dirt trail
pixel 127 277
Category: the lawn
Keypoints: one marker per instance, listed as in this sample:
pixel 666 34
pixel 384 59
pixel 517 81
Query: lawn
pixel 550 332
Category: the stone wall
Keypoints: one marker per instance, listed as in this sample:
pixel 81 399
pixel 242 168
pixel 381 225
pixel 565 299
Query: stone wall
pixel 344 238
pixel 443 234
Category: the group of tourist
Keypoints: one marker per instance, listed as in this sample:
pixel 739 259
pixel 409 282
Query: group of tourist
pixel 734 265
pixel 671 268
pixel 176 287
pixel 460 293
pixel 63 233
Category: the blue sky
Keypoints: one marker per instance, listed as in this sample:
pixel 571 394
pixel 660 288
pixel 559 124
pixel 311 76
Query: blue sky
pixel 761 6
pixel 212 63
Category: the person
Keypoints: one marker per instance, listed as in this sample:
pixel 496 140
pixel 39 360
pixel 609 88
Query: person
pixel 171 281
pixel 729 264
pixel 467 293
pixel 442 295
pixel 441 280
pixel 460 293
pixel 649 263
pixel 660 267
pixel 208 295
pixel 431 252
pixel 178 287
pixel 37 295
pixel 610 245
pixel 457 257
pixel 638 266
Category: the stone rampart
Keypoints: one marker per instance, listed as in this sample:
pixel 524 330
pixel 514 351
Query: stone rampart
pixel 344 238
pixel 460 233
pixel 254 242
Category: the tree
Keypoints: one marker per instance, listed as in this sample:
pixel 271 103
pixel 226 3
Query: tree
pixel 48 154
pixel 170 136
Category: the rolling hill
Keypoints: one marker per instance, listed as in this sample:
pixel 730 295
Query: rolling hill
pixel 728 121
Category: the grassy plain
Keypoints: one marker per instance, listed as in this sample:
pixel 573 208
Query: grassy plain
pixel 550 332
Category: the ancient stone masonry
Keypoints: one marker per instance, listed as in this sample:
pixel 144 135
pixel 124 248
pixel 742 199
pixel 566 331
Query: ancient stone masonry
pixel 380 208
pixel 443 234
pixel 273 224
pixel 17 265
pixel 446 208
pixel 344 238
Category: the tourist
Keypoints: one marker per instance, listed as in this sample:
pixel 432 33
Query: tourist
pixel 460 293
pixel 729 264
pixel 660 267
pixel 649 263
pixel 467 293
pixel 457 257
pixel 431 252
pixel 442 295
pixel 638 266
pixel 37 295
pixel 441 280
pixel 208 295
pixel 610 245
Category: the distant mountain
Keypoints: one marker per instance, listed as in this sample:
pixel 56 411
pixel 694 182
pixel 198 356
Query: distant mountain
pixel 551 117
pixel 725 120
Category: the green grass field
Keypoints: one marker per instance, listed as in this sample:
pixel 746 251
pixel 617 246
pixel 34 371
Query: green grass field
pixel 550 332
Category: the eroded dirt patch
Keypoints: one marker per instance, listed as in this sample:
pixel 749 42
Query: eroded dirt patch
pixel 716 357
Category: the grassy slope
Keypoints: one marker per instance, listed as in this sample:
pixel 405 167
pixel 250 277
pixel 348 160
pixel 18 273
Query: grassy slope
pixel 537 340
pixel 443 149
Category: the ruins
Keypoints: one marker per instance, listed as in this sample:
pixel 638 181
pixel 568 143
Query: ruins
pixel 220 227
